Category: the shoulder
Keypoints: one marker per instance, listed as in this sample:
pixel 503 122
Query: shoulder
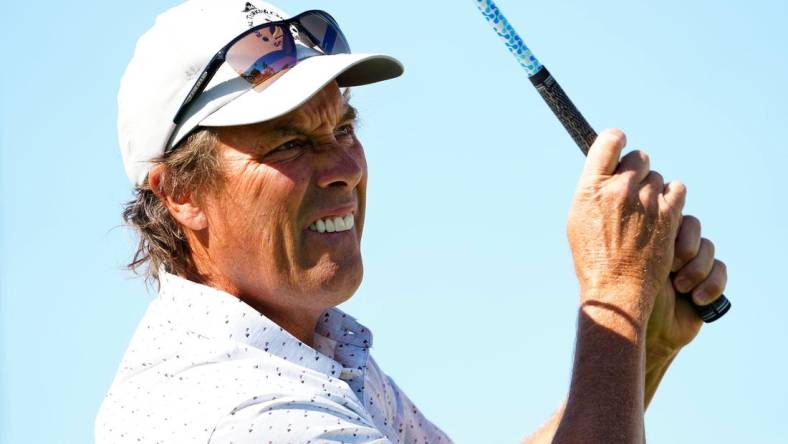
pixel 293 418
pixel 191 395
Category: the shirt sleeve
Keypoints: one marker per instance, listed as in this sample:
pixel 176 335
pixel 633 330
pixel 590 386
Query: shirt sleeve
pixel 292 420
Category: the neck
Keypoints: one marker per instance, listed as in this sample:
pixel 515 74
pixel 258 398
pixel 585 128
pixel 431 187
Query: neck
pixel 298 321
pixel 299 324
pixel 277 306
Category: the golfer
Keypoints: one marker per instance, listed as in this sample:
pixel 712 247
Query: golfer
pixel 237 131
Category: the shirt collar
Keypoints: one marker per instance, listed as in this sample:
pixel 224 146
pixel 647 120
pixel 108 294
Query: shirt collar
pixel 219 315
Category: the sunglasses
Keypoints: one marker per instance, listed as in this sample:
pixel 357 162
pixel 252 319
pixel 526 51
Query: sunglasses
pixel 266 50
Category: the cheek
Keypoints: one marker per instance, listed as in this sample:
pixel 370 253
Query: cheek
pixel 266 186
pixel 260 204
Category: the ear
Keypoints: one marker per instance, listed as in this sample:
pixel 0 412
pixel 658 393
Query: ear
pixel 185 209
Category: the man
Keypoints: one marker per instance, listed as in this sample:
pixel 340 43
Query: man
pixel 236 128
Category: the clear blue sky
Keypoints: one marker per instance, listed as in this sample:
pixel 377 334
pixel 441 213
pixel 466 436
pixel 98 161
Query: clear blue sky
pixel 470 183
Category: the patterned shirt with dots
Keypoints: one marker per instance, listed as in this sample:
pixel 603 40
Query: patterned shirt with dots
pixel 204 367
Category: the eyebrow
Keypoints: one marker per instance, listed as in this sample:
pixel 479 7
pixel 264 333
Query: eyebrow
pixel 287 129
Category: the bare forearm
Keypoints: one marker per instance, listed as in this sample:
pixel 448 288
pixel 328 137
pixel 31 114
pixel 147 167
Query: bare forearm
pixel 622 230
pixel 658 359
pixel 606 396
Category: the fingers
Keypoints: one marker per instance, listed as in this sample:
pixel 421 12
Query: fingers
pixel 713 286
pixel 687 242
pixel 673 197
pixel 697 269
pixel 604 154
pixel 635 164
pixel 651 188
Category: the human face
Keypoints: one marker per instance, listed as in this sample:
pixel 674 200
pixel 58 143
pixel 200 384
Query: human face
pixel 280 178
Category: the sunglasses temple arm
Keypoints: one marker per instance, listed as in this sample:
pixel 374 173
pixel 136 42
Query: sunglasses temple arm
pixel 199 86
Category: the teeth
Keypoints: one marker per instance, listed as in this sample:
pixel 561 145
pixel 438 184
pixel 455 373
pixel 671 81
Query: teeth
pixel 333 224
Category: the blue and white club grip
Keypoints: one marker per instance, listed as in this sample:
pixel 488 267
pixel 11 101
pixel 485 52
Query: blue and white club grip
pixel 569 116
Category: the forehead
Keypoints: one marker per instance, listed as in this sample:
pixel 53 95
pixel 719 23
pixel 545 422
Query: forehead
pixel 328 101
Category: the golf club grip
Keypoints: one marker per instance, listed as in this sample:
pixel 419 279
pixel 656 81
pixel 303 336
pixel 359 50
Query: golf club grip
pixel 584 136
pixel 564 109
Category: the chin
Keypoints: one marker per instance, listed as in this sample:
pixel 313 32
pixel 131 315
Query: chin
pixel 338 282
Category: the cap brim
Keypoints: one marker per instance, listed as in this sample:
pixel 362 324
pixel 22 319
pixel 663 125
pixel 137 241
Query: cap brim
pixel 300 83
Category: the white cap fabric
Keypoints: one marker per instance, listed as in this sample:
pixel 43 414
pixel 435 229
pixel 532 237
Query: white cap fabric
pixel 173 53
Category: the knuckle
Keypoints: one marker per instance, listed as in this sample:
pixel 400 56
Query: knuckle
pixel 627 174
pixel 641 156
pixel 657 179
pixel 708 246
pixel 694 274
pixel 679 187
pixel 616 136
pixel 685 252
pixel 669 213
pixel 648 197
pixel 721 266
pixel 691 221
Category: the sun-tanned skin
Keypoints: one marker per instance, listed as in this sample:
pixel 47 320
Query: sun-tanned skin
pixel 624 221
pixel 251 238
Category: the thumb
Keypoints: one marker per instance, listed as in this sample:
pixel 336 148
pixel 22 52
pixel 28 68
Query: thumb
pixel 604 154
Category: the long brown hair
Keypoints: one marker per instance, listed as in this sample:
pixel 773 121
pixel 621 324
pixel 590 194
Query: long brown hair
pixel 192 166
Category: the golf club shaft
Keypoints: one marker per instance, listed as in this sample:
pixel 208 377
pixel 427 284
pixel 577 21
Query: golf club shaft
pixel 569 116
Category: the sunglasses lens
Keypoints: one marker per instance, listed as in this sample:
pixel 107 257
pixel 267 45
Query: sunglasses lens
pixel 262 53
pixel 325 33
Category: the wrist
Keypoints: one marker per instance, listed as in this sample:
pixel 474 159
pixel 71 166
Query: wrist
pixel 616 279
pixel 624 309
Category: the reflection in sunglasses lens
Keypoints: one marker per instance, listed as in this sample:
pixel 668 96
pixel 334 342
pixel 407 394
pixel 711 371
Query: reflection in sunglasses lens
pixel 325 34
pixel 269 50
pixel 261 54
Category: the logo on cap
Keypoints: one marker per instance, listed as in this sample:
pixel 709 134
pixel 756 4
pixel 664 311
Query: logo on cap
pixel 252 11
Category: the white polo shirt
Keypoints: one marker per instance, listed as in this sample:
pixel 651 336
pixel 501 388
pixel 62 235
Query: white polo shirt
pixel 205 367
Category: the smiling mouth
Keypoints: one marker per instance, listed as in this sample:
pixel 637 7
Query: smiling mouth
pixel 333 224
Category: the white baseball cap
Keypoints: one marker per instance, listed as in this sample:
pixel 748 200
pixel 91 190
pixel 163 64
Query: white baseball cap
pixel 171 55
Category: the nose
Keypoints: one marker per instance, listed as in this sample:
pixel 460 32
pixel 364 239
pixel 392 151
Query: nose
pixel 341 166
